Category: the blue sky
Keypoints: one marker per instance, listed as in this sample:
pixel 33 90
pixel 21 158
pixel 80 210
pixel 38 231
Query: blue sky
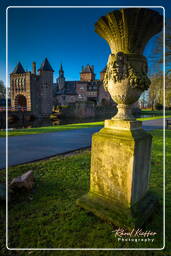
pixel 62 35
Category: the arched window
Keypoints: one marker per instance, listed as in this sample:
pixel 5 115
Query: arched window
pixel 22 81
pixel 16 82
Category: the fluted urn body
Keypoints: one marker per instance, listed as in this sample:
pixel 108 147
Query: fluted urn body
pixel 127 32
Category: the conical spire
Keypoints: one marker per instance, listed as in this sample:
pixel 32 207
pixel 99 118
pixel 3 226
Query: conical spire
pixel 61 72
pixel 45 66
pixel 18 69
pixel 87 69
pixel 61 68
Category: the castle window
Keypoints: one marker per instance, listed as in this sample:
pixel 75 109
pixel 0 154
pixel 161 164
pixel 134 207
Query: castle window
pixel 16 81
pixel 23 80
pixel 80 96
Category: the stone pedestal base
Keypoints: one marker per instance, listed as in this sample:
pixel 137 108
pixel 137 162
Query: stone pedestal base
pixel 120 169
pixel 117 214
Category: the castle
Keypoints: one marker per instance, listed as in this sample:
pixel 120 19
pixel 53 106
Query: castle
pixel 37 92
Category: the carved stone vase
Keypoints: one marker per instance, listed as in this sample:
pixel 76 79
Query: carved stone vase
pixel 120 155
pixel 125 79
pixel 127 32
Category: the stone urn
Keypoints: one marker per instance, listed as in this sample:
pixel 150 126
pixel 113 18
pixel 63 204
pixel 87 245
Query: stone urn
pixel 127 32
pixel 121 151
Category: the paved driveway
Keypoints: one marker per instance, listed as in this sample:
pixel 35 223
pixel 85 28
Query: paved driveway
pixel 27 148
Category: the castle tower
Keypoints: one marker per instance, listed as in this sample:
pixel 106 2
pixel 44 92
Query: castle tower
pixel 34 68
pixel 87 73
pixel 61 79
pixel 46 82
pixel 20 89
pixel 102 73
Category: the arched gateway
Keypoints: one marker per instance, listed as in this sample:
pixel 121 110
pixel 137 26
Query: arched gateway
pixel 20 102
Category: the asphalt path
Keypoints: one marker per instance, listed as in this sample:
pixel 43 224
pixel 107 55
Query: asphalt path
pixel 28 148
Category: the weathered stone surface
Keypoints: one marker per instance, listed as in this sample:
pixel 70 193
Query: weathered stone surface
pixel 120 170
pixel 119 124
pixel 128 30
pixel 24 181
pixel 120 164
pixel 126 73
pixel 120 161
pixel 114 212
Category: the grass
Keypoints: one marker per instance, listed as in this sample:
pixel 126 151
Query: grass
pixel 152 118
pixel 49 217
pixel 47 129
pixel 156 112
pixel 59 128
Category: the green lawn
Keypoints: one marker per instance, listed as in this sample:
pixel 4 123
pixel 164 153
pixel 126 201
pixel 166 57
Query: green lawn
pixel 49 217
pixel 59 128
pixel 152 118
pixel 156 112
pixel 47 129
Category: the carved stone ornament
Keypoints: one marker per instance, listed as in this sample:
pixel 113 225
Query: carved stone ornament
pixel 127 31
pixel 121 66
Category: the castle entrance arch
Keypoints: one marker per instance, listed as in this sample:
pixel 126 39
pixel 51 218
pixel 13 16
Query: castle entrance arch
pixel 20 102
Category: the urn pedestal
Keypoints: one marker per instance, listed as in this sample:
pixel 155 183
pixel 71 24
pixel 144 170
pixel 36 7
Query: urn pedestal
pixel 120 169
pixel 120 160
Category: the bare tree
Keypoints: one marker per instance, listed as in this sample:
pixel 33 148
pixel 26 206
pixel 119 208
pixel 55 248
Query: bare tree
pixel 156 64
pixel 156 90
pixel 156 57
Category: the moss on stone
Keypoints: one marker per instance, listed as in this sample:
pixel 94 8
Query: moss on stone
pixel 120 168
pixel 118 214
